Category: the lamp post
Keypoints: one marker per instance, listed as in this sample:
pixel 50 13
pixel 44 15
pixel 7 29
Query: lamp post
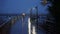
pixel 23 16
pixel 34 20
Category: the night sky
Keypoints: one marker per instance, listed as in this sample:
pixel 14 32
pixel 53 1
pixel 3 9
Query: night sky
pixel 19 6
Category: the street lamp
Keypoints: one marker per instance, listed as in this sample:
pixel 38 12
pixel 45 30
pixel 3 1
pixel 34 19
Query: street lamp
pixel 23 16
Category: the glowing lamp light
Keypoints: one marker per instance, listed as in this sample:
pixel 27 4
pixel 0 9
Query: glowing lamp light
pixel 23 14
pixel 34 8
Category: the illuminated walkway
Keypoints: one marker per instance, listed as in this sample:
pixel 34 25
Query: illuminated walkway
pixel 18 29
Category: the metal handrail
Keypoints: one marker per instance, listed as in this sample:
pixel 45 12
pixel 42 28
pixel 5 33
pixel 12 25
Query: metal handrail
pixel 13 19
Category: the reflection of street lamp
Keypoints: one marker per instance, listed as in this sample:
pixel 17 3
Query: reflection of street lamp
pixel 23 15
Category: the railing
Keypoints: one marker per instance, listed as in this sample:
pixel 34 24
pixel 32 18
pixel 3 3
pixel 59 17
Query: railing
pixel 49 24
pixel 11 20
pixel 17 17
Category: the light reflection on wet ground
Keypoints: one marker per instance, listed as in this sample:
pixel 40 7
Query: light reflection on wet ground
pixel 17 27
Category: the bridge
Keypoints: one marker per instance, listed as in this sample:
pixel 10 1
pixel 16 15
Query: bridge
pixel 18 23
